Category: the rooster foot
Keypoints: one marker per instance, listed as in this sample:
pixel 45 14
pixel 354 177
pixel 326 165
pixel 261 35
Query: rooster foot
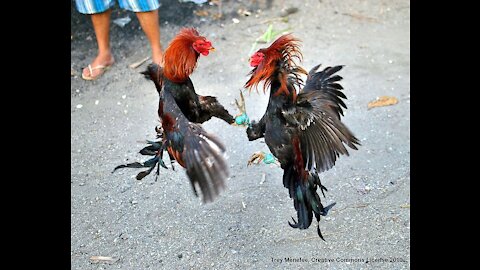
pixel 256 158
pixel 260 156
pixel 241 119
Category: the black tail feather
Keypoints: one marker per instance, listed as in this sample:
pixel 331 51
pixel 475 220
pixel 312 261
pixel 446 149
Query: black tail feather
pixel 155 149
pixel 305 198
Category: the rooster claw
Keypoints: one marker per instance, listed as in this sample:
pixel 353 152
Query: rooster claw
pixel 256 158
pixel 241 119
pixel 260 156
pixel 241 104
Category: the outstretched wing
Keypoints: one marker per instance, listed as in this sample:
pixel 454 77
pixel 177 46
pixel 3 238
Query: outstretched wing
pixel 327 82
pixel 201 153
pixel 204 161
pixel 316 113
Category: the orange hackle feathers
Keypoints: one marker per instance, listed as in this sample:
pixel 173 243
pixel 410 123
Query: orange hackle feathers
pixel 180 59
pixel 281 52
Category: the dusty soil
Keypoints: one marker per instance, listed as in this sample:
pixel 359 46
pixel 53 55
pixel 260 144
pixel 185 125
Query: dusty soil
pixel 156 225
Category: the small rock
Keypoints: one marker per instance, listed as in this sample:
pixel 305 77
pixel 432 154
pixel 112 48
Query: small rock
pixel 96 102
pixel 235 20
pixel 124 96
pixel 288 11
pixel 180 255
pixel 79 106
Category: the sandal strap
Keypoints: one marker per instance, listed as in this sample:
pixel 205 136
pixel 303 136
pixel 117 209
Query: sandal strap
pixel 99 67
pixel 90 69
pixel 90 76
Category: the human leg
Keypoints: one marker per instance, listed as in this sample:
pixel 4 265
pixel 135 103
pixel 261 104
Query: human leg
pixel 149 22
pixel 100 15
pixel 147 14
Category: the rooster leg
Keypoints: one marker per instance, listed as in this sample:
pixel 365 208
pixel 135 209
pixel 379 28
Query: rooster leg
pixel 157 173
pixel 172 159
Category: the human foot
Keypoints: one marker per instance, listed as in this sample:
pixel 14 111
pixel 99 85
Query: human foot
pixel 94 70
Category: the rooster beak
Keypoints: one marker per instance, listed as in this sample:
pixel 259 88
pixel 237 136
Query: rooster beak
pixel 212 49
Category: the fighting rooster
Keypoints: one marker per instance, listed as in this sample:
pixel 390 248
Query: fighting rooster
pixel 181 111
pixel 301 126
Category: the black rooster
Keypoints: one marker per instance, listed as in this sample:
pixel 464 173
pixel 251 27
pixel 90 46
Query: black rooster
pixel 302 129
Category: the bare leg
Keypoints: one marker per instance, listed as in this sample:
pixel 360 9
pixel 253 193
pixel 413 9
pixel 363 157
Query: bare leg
pixel 150 25
pixel 101 25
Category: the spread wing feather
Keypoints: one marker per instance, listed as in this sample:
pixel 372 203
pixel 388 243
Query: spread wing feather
pixel 316 113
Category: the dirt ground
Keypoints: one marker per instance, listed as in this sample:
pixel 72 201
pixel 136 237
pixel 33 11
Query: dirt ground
pixel 162 225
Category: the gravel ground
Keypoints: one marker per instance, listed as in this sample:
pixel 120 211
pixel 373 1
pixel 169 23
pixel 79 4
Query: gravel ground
pixel 156 225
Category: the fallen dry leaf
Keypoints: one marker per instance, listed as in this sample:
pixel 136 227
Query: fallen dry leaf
pixel 102 259
pixel 201 13
pixel 383 101
pixel 407 205
pixel 287 11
